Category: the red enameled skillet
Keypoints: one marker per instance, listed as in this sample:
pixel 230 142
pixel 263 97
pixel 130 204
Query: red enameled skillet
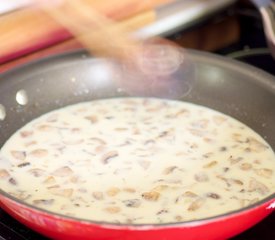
pixel 234 88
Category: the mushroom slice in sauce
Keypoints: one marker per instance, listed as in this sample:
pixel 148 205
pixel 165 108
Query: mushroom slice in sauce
pixel 151 196
pixel 43 201
pixel 4 173
pixel 63 172
pixel 37 172
pixel 113 191
pixel 19 155
pixel 63 192
pixel 107 157
pixel 196 204
pixel 257 186
pixel 112 209
pixel 201 177
pixel 133 203
pixel 98 195
pixel 264 172
pixel 39 153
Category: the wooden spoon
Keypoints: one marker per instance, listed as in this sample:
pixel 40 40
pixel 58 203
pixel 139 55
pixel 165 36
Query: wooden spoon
pixel 99 34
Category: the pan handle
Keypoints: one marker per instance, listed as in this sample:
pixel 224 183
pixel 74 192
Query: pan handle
pixel 268 16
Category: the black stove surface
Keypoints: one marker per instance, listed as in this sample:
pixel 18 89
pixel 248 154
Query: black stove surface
pixel 251 49
pixel 10 229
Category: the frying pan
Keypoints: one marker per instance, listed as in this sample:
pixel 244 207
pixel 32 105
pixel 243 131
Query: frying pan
pixel 231 87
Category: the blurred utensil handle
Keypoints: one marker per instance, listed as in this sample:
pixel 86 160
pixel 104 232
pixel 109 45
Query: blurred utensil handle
pixel 267 10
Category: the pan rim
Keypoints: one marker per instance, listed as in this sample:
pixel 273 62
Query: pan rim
pixel 83 54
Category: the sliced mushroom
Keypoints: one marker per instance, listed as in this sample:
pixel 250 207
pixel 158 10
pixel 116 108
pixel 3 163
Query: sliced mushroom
pixel 53 186
pixel 189 194
pixel 27 144
pixel 25 134
pixel 43 201
pixel 210 164
pixel 12 181
pixel 63 172
pixel 97 140
pixel 129 190
pixel 245 166
pixel 49 180
pixel 201 177
pixel 255 145
pixel 235 181
pixel 98 195
pixel 22 195
pixel 225 180
pixel 169 170
pixel 161 188
pixel 63 192
pixel 264 172
pixel 4 173
pixel 112 210
pixel 257 186
pixel 234 160
pixel 92 118
pixel 113 191
pixel 100 149
pixel 133 203
pixel 237 137
pixel 151 196
pixel 37 172
pixel 121 129
pixel 179 218
pixel 106 158
pixel 149 143
pixel 213 195
pixel 45 128
pixel 219 119
pixel 76 179
pixel 19 155
pixel 39 153
pixel 196 204
pixel 24 164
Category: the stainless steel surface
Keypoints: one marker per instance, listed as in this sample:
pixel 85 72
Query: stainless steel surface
pixel 181 14
pixel 267 10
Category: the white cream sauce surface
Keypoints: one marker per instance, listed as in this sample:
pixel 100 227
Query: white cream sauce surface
pixel 137 160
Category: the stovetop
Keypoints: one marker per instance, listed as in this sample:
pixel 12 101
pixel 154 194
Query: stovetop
pixel 10 229
pixel 252 49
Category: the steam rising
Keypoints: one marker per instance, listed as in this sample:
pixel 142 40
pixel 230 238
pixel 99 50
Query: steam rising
pixel 158 71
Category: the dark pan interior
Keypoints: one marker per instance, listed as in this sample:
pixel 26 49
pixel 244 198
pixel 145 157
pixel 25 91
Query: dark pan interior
pixel 231 87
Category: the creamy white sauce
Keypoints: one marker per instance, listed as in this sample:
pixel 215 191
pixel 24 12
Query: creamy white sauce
pixel 137 160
